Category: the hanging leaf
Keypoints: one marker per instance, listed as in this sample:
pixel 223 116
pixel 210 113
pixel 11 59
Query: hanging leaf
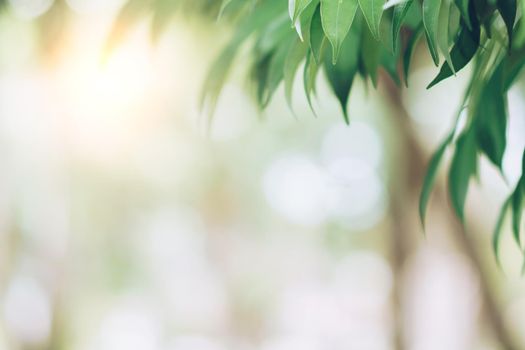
pixel 337 17
pixel 400 12
pixel 490 113
pixel 454 22
pixel 443 33
pixel 296 7
pixel 370 54
pixel 520 30
pixel 309 77
pixel 431 22
pixel 508 10
pixel 219 70
pixel 463 6
pixel 517 199
pixel 317 36
pixel 217 76
pixel 302 26
pixel 260 73
pixel 430 177
pixel 389 62
pixel 293 59
pixel 463 51
pixel 341 75
pixel 372 11
pixel 409 51
pixel 513 65
pixel 273 35
pixel 276 69
pixel 496 237
pixel 463 167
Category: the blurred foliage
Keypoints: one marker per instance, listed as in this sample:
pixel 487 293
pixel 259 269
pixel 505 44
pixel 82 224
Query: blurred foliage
pixel 161 11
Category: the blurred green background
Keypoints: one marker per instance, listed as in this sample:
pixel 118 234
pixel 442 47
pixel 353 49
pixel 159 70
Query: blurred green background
pixel 128 221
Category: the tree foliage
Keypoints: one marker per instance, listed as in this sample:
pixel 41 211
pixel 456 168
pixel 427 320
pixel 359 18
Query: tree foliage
pixel 347 39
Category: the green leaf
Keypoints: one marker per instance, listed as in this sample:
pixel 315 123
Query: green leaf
pixel 496 237
pixel 341 75
pixel 303 25
pixel 216 77
pixel 370 54
pixel 296 7
pixel 276 69
pixel 514 63
pixel 309 78
pixel 372 11
pixel 508 10
pixel 431 9
pixel 273 34
pixel 463 6
pixel 520 30
pixel 317 37
pixel 463 167
pixel 389 63
pixel 293 59
pixel 454 22
pixel 263 14
pixel 463 51
pixel 523 167
pixel 400 12
pixel 337 17
pixel 271 50
pixel 490 113
pixel 260 74
pixel 517 199
pixel 443 33
pixel 430 177
pixel 409 51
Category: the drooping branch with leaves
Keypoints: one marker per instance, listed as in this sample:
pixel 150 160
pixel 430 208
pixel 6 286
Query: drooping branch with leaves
pixel 351 39
pixel 348 39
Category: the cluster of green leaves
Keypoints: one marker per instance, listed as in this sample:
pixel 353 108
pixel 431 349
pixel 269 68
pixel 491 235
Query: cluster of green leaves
pixel 350 39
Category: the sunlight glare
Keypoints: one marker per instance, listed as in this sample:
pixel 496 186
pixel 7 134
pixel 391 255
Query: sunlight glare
pixel 107 100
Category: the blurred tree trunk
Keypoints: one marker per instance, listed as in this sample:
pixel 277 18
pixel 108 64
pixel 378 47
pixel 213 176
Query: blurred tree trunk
pixel 399 251
pixel 409 164
pixel 406 191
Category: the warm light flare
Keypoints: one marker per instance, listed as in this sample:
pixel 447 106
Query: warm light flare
pixel 106 100
pixel 113 87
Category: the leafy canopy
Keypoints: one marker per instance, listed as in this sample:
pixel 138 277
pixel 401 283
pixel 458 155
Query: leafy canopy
pixel 355 38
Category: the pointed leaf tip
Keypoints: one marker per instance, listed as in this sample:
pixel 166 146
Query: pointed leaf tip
pixel 430 178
